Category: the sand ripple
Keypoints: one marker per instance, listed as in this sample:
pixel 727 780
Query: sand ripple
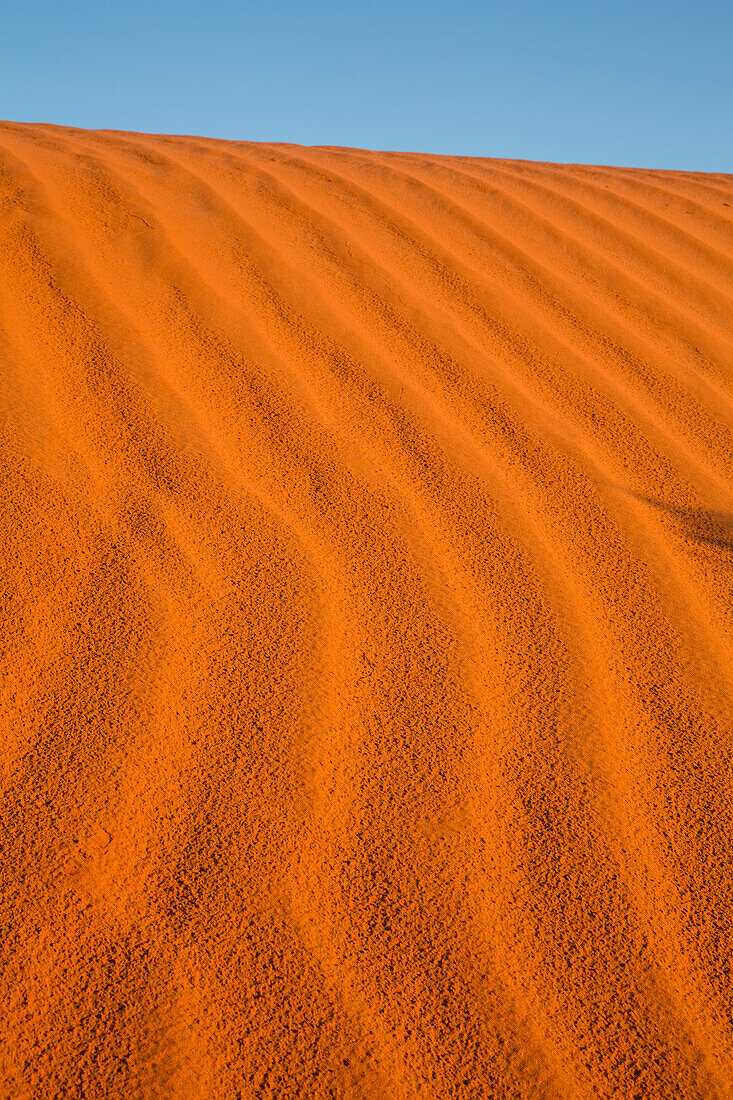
pixel 367 639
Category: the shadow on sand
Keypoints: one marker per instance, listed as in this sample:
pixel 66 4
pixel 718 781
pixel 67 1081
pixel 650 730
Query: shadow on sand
pixel 697 524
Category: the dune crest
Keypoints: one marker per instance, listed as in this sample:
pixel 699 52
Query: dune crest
pixel 367 634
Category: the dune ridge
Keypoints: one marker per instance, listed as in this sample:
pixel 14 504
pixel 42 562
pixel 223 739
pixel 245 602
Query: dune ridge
pixel 367 634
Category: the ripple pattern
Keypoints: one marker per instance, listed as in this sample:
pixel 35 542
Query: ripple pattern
pixel 367 630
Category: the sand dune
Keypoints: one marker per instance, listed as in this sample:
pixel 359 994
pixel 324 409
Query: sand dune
pixel 367 623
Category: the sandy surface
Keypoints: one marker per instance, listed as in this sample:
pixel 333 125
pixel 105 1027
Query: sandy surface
pixel 367 638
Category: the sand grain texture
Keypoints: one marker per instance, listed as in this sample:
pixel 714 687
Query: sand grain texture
pixel 367 574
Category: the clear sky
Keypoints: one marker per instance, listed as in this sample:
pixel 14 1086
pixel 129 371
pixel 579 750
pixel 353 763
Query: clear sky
pixel 647 83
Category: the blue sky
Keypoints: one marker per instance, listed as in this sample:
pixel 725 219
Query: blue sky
pixel 645 83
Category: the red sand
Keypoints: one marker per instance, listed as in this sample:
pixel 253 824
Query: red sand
pixel 367 623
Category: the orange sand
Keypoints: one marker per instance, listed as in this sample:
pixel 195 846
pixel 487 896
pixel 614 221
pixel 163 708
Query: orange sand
pixel 367 623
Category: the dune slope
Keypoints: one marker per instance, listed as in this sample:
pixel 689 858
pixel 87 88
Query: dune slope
pixel 367 575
